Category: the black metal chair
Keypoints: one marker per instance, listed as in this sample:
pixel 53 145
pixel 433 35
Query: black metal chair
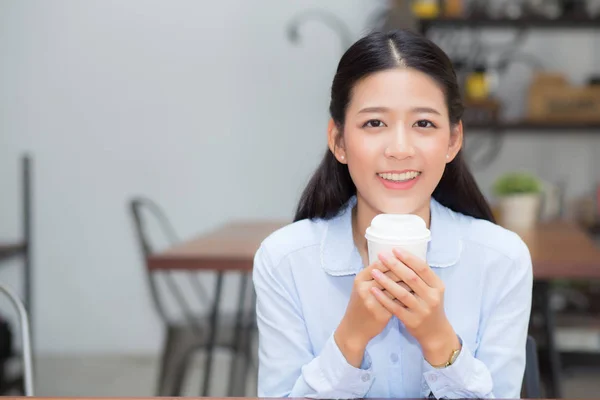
pixel 25 338
pixel 531 380
pixel 183 337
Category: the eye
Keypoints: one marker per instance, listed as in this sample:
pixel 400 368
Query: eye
pixel 373 123
pixel 424 124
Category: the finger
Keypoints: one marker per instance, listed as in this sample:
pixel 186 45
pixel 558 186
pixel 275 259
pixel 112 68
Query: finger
pixel 407 275
pixel 376 308
pixel 392 306
pixel 393 276
pixel 400 293
pixel 399 281
pixel 419 266
pixel 404 285
pixel 365 274
pixel 374 283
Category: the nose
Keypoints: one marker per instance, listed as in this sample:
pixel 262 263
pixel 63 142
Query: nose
pixel 399 145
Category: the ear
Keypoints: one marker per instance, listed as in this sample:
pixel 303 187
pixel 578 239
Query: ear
pixel 456 141
pixel 336 142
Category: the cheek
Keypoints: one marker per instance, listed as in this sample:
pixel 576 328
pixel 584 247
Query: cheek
pixel 433 156
pixel 362 149
pixel 362 153
pixel 433 151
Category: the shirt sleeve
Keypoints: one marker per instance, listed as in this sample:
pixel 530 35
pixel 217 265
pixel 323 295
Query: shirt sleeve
pixel 287 365
pixel 497 367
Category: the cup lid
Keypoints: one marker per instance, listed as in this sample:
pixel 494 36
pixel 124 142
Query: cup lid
pixel 398 227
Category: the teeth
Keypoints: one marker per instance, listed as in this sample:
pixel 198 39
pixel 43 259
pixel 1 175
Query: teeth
pixel 405 176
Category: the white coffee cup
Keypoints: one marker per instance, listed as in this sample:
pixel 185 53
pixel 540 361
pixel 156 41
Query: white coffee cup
pixel 403 231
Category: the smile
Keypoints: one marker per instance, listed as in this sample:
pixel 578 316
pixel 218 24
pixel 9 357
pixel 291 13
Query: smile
pixel 399 177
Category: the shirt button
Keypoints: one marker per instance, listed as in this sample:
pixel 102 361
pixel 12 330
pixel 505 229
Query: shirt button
pixel 432 378
pixel 394 358
pixel 366 377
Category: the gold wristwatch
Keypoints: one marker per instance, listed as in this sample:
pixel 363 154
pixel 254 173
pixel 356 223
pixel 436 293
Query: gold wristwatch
pixel 450 361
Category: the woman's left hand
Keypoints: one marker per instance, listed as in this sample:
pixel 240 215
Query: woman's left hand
pixel 421 311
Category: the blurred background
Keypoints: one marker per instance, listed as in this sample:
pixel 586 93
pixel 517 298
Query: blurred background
pixel 216 111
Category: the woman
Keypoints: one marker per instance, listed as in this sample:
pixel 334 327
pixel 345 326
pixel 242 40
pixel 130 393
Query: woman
pixel 332 326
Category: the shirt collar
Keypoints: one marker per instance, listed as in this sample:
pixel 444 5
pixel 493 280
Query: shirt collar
pixel 339 255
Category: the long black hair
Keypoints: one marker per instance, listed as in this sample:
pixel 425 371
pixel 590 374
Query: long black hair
pixel 331 185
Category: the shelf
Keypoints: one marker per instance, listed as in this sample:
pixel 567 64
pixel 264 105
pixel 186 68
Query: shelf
pixel 534 127
pixel 572 22
pixel 8 250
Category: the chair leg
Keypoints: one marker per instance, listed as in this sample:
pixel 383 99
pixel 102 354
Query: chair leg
pixel 248 343
pixel 248 357
pixel 212 336
pixel 166 362
pixel 238 337
pixel 179 343
pixel 179 372
pixel 554 381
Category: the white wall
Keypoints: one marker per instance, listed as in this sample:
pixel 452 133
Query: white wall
pixel 204 106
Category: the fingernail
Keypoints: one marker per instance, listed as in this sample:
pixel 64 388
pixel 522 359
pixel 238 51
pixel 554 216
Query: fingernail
pixel 397 252
pixel 382 257
pixel 376 273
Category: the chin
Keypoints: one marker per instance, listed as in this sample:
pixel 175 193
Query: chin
pixel 398 206
pixel 401 203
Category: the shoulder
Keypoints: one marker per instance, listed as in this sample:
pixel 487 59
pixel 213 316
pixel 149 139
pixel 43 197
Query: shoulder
pixel 492 239
pixel 290 240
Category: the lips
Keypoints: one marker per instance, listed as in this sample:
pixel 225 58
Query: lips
pixel 399 180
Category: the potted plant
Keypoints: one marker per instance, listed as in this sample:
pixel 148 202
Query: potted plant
pixel 519 197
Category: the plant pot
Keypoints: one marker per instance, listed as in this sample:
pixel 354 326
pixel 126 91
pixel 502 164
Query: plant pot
pixel 519 211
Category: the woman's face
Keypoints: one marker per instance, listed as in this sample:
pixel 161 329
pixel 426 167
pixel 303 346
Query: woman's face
pixel 397 140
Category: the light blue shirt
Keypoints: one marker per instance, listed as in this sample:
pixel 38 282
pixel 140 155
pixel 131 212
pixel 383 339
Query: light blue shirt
pixel 303 276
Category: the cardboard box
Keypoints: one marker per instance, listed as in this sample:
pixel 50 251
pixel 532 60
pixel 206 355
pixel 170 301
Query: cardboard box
pixel 553 99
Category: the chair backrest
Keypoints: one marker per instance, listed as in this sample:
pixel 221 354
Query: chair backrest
pixel 531 380
pixel 142 209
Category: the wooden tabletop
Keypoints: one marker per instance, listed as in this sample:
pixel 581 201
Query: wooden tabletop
pixel 228 248
pixel 558 250
pixel 562 250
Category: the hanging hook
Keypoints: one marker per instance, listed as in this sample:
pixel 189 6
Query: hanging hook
pixel 328 18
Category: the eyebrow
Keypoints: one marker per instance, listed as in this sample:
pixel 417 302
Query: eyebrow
pixel 374 109
pixel 426 110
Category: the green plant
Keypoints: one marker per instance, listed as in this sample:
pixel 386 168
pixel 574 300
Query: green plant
pixel 517 183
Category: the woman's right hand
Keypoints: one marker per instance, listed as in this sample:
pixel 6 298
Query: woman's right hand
pixel 365 317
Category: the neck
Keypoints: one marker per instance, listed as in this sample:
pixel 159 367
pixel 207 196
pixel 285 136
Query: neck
pixel 363 214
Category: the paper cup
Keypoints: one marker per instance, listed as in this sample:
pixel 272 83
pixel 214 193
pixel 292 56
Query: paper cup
pixel 418 248
pixel 405 232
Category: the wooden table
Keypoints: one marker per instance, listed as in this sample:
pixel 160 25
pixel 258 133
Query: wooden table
pixel 230 248
pixel 559 250
pixel 562 250
pixel 553 246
